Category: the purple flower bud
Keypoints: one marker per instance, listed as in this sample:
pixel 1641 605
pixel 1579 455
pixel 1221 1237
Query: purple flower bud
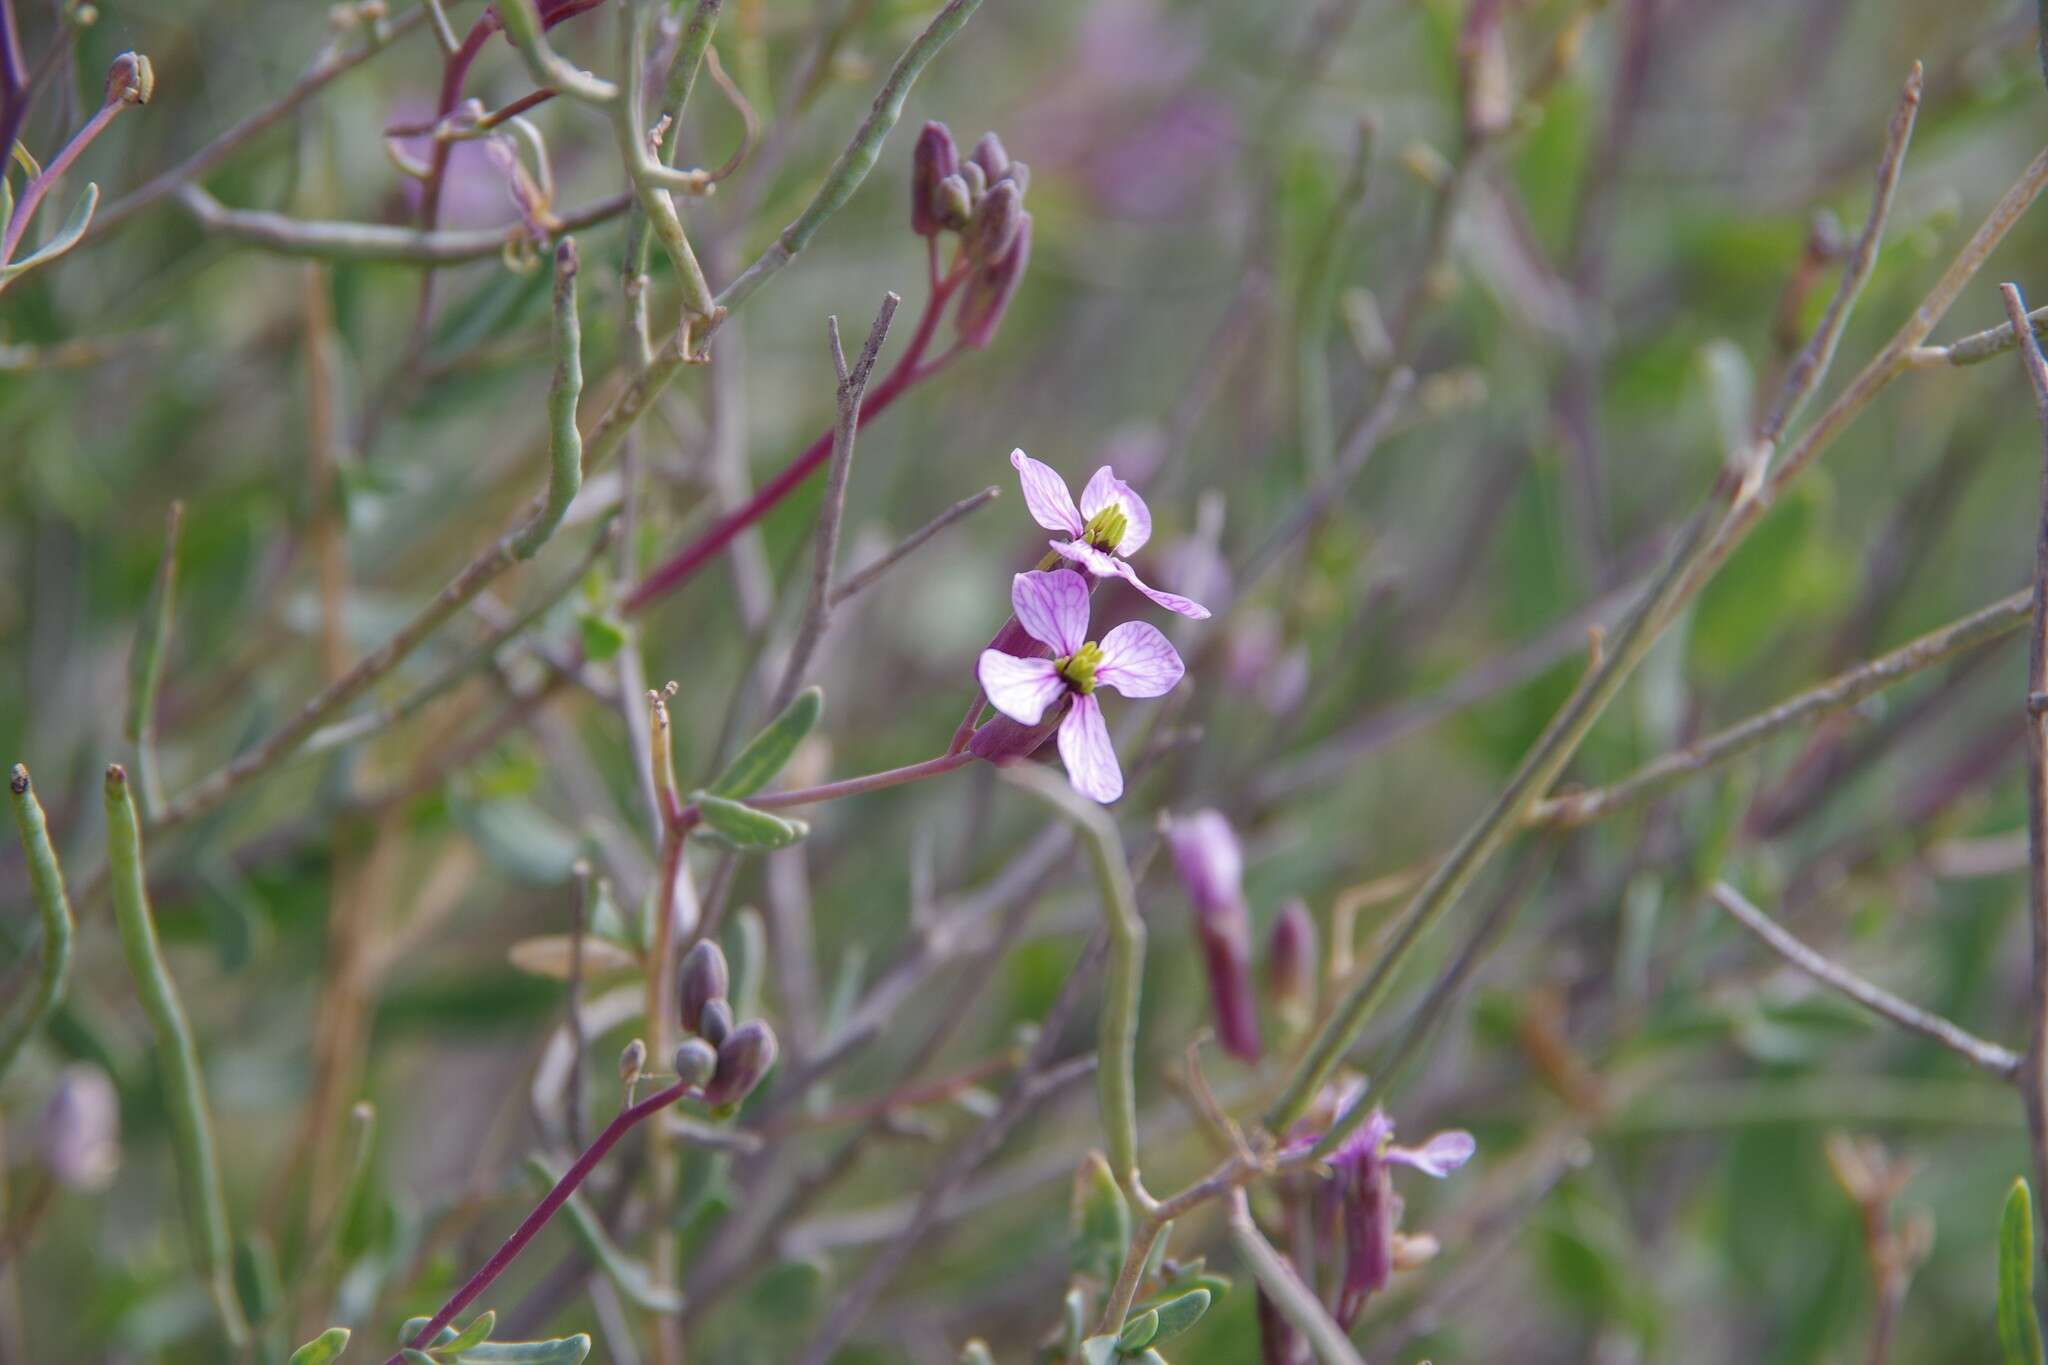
pixel 80 1136
pixel 696 1061
pixel 1368 1235
pixel 1019 175
pixel 976 180
pixel 1290 964
pixel 702 979
pixel 988 292
pixel 935 159
pixel 993 230
pixel 1205 853
pixel 952 204
pixel 743 1059
pixel 990 156
pixel 714 1022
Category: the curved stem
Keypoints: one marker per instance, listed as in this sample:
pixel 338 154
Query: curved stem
pixel 688 816
pixel 549 1205
pixel 666 577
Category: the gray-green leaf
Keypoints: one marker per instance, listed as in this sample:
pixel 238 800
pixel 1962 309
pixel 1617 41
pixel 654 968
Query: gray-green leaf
pixel 321 1349
pixel 1138 1333
pixel 66 237
pixel 743 827
pixel 768 753
pixel 1181 1312
pixel 2019 1331
pixel 561 1351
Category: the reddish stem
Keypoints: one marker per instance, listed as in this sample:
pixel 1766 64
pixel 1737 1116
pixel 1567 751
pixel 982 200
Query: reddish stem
pixel 542 1212
pixel 689 816
pixel 40 186
pixel 666 577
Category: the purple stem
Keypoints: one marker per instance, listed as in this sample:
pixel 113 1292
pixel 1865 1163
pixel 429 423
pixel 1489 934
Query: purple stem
pixel 13 85
pixel 40 186
pixel 689 816
pixel 542 1212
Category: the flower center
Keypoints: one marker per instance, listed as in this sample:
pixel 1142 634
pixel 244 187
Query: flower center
pixel 1105 530
pixel 1079 667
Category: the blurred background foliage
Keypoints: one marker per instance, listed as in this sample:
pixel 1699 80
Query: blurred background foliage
pixel 1652 1092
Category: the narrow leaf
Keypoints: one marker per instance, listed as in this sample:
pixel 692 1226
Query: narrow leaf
pixel 2019 1331
pixel 1181 1312
pixel 561 1351
pixel 476 1334
pixel 744 827
pixel 66 237
pixel 769 751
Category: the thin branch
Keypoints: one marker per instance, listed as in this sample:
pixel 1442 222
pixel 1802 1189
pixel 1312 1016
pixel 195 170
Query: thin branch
pixel 2033 1077
pixel 867 577
pixel 1295 1300
pixel 853 387
pixel 1838 693
pixel 1999 1061
pixel 341 241
pixel 1732 508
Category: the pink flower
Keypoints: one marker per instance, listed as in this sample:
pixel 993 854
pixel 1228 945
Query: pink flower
pixel 1134 658
pixel 1211 867
pixel 1111 524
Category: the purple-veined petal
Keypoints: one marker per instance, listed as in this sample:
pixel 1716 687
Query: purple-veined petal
pixel 1019 688
pixel 1084 748
pixel 1088 557
pixel 1106 488
pixel 1172 601
pixel 1365 1142
pixel 1138 661
pixel 1046 496
pixel 1443 1153
pixel 1053 607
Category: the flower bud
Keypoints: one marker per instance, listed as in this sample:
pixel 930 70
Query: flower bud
pixel 80 1135
pixel 1206 855
pixel 952 204
pixel 696 1061
pixel 990 156
pixel 976 180
pixel 702 979
pixel 988 292
pixel 632 1061
pixel 714 1022
pixel 130 80
pixel 936 159
pixel 993 230
pixel 743 1059
pixel 1019 175
pixel 1290 965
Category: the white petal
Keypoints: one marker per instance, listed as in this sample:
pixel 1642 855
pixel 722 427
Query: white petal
pixel 1019 688
pixel 1106 488
pixel 1088 557
pixel 1045 495
pixel 1085 749
pixel 1138 661
pixel 1052 607
pixel 1172 601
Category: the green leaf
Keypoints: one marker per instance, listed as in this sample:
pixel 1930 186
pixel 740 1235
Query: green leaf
pixel 476 1334
pixel 560 1351
pixel 65 238
pixel 603 637
pixel 1138 1333
pixel 327 1346
pixel 743 827
pixel 769 751
pixel 1181 1312
pixel 2018 1329
pixel 632 1277
pixel 1101 1220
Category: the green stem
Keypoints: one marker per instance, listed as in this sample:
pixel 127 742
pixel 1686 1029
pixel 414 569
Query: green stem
pixel 146 665
pixel 184 1086
pixel 1118 1049
pixel 46 880
pixel 565 443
